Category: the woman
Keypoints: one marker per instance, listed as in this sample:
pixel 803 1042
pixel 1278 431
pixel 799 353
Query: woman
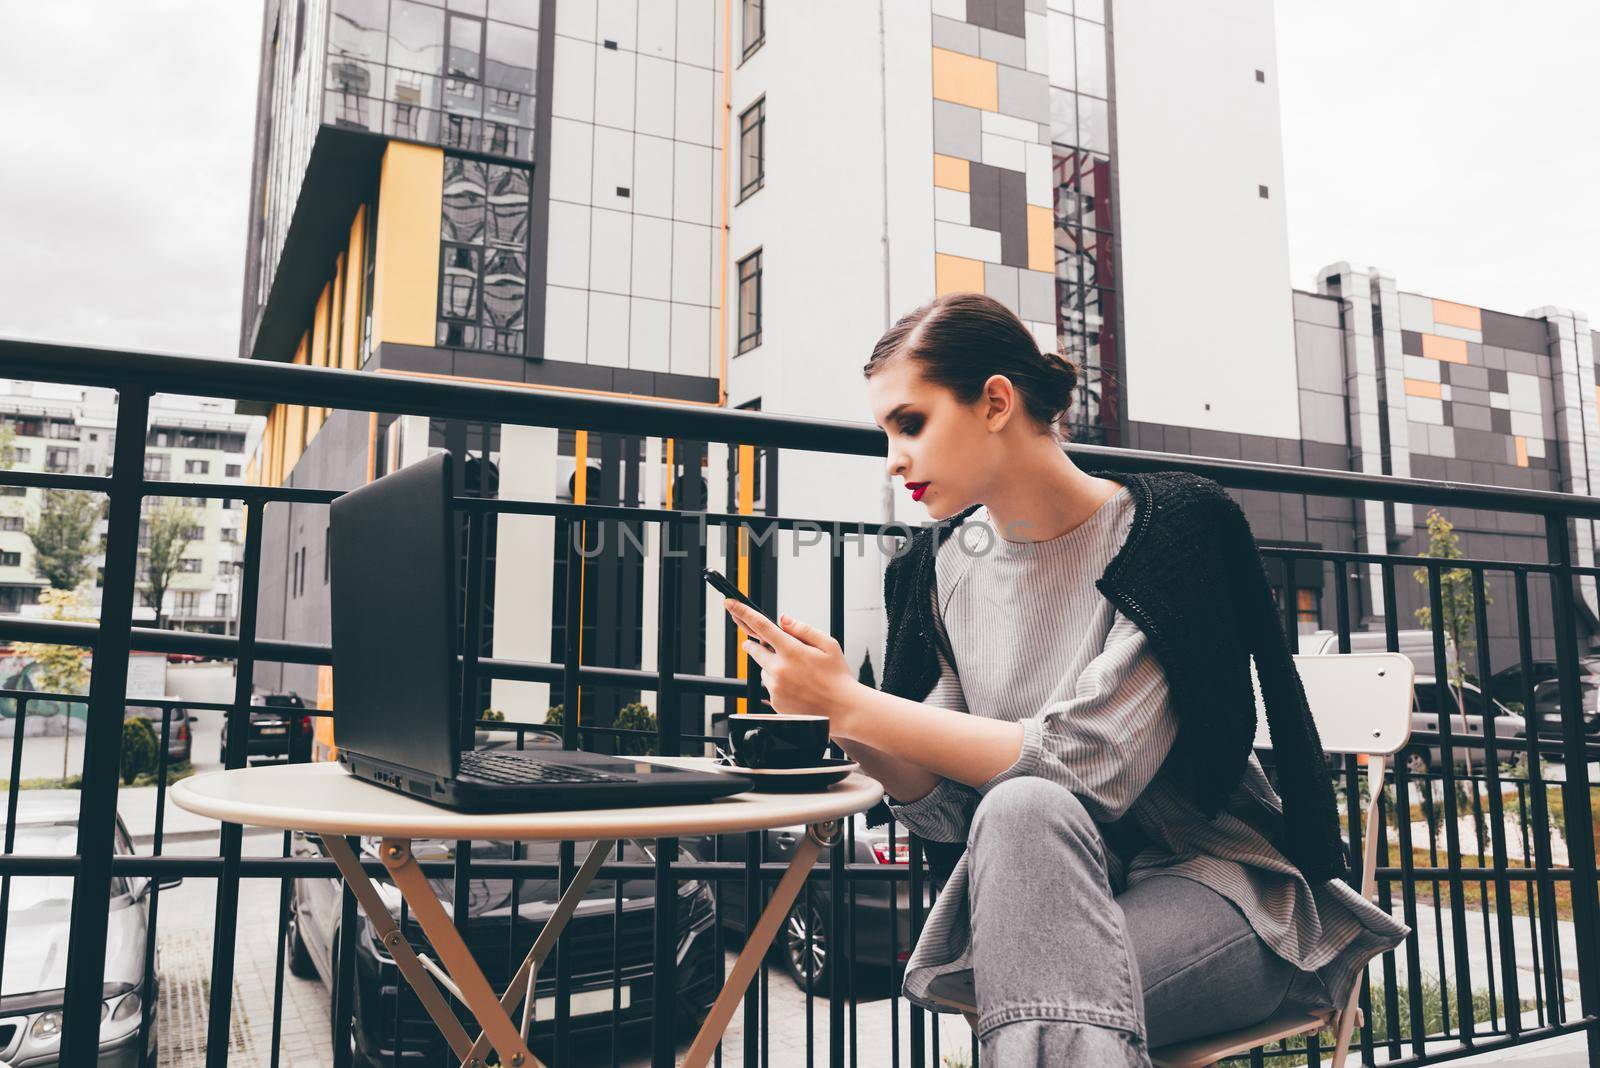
pixel 1067 697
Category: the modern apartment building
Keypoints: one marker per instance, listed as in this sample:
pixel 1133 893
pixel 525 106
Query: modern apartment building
pixel 72 431
pixel 537 193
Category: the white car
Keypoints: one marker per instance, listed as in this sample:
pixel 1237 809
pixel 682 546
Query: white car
pixel 1510 729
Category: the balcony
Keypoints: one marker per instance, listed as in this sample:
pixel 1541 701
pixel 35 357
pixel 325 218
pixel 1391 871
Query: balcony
pixel 1490 860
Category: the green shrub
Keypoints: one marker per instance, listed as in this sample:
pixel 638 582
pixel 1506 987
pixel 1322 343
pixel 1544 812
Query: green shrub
pixel 632 716
pixel 493 715
pixel 139 749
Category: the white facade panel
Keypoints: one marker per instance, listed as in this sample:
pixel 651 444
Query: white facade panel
pixel 1205 258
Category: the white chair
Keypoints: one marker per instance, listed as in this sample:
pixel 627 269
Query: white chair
pixel 1362 704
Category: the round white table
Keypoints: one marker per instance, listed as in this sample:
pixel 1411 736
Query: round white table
pixel 325 799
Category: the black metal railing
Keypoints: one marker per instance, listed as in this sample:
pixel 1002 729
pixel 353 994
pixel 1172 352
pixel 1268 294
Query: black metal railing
pixel 1532 898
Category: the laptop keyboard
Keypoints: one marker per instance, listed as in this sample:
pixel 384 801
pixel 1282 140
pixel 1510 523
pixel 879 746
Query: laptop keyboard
pixel 520 767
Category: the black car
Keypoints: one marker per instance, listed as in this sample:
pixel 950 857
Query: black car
pixel 275 730
pixel 1505 685
pixel 180 740
pixel 873 918
pixel 36 946
pixel 500 937
pixel 1547 706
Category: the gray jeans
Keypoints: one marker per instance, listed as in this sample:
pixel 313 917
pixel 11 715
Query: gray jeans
pixel 1068 974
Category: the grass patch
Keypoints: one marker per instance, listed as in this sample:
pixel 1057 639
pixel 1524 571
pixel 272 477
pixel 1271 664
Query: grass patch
pixel 181 770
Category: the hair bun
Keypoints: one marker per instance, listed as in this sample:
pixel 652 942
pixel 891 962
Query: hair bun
pixel 1064 367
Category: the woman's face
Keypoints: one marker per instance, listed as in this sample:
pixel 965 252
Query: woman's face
pixel 937 440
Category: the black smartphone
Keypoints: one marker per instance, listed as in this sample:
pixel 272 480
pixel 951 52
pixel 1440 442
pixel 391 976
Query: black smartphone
pixel 720 583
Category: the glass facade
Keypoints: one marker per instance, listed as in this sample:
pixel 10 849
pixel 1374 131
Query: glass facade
pixel 1086 283
pixel 483 240
pixel 461 75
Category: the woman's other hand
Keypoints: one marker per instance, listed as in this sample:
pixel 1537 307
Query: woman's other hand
pixel 804 671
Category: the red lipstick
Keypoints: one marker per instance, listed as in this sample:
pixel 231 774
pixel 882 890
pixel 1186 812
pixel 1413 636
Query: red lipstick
pixel 917 489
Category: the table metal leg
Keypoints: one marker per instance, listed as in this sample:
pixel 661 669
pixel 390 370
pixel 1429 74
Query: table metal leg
pixel 758 940
pixel 522 984
pixel 405 958
pixel 454 955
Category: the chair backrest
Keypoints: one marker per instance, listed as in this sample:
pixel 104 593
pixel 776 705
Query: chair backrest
pixel 1361 702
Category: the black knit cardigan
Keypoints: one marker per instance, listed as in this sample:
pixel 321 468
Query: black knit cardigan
pixel 1190 575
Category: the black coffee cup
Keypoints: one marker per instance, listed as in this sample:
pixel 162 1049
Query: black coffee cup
pixel 769 740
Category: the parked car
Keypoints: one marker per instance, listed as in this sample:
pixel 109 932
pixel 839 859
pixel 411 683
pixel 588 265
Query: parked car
pixel 1415 643
pixel 1505 685
pixel 1510 729
pixel 873 946
pixel 500 939
pixel 275 730
pixel 1547 706
pixel 180 740
pixel 36 945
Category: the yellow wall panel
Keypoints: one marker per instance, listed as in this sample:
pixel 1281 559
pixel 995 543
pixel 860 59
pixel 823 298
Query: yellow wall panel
pixel 965 80
pixel 956 274
pixel 1041 239
pixel 353 263
pixel 1522 451
pixel 406 281
pixel 1449 349
pixel 1463 315
pixel 318 352
pixel 952 172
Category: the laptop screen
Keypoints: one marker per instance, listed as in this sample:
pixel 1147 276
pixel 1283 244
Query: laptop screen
pixel 393 592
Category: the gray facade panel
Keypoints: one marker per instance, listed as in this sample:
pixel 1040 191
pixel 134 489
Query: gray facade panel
pixel 1514 331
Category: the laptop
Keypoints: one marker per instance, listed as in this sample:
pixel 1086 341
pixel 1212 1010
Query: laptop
pixel 397 680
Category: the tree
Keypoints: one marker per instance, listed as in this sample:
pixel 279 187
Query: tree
pixel 1455 596
pixel 169 527
pixel 63 537
pixel 62 668
pixel 1459 621
pixel 8 448
pixel 866 676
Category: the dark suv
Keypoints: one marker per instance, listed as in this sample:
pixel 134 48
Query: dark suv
pixel 275 730
pixel 500 937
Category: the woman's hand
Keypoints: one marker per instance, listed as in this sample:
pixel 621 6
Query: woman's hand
pixel 804 671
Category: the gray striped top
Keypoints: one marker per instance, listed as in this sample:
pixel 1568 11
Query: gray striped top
pixel 1036 642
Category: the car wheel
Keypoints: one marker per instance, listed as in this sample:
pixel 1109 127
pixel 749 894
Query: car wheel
pixel 300 963
pixel 796 960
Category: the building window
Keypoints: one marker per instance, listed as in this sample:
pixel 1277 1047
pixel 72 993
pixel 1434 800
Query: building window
pixel 752 148
pixel 1086 297
pixel 188 603
pixel 195 533
pixel 197 467
pixel 60 461
pixel 189 565
pixel 13 491
pixel 157 465
pixel 233 471
pixel 230 535
pixel 298 574
pixel 483 277
pixel 10 559
pixel 23 455
pixel 224 608
pixel 755 25
pixel 750 301
pixel 1308 608
pixel 12 522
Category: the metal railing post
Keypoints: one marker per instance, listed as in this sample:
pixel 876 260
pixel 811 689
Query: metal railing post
pixel 108 691
pixel 220 1020
pixel 1579 829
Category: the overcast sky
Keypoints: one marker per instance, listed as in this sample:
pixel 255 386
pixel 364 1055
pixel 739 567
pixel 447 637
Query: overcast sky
pixel 1452 143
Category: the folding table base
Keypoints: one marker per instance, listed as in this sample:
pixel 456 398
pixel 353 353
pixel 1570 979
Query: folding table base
pixel 466 980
